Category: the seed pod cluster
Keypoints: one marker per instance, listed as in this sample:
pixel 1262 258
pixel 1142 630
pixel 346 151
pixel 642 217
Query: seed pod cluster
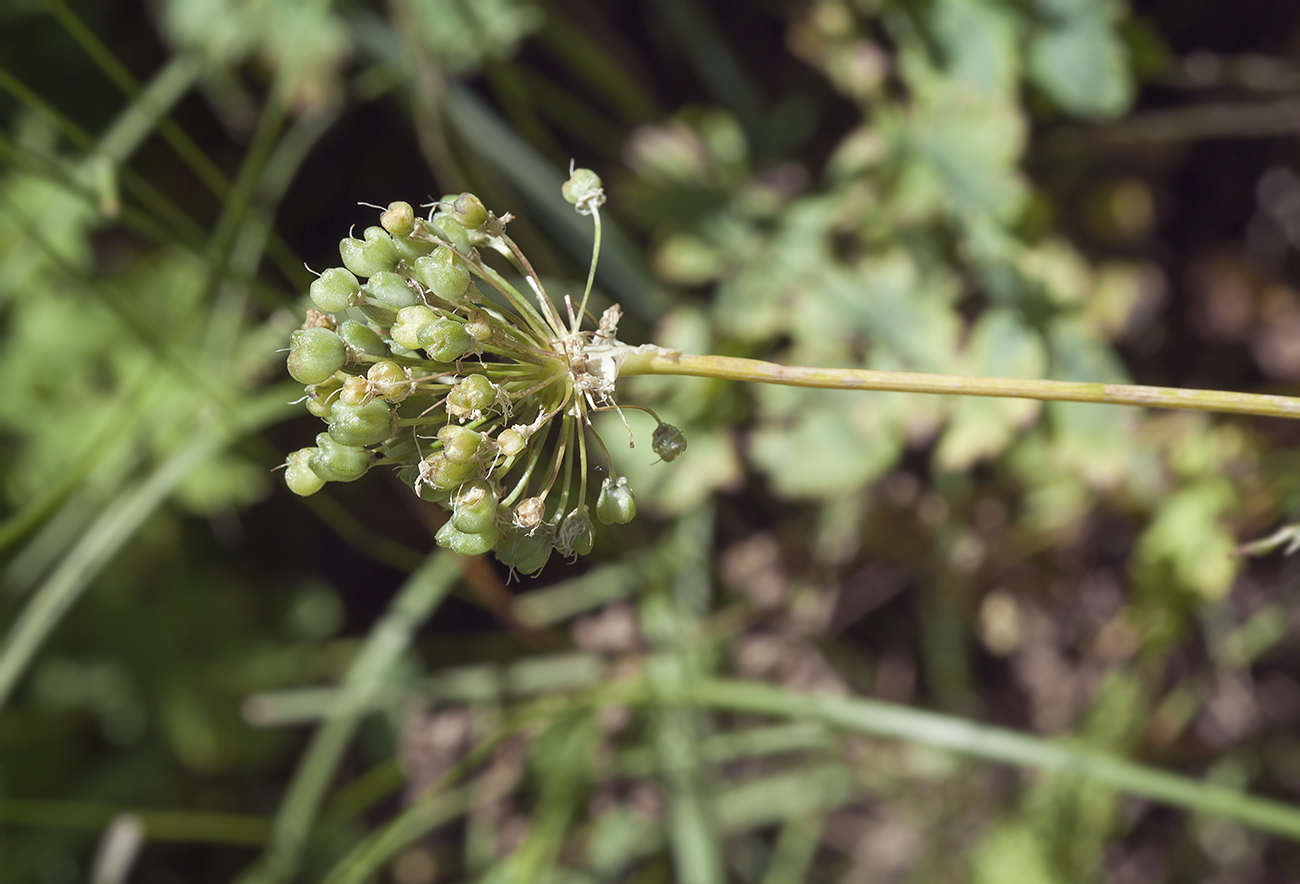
pixel 419 356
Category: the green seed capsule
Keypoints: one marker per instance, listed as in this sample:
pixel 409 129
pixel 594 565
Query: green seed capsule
pixel 575 535
pixel 389 290
pixel 339 463
pixel 436 470
pixel 616 504
pixel 355 392
pixel 315 354
pixel 298 474
pixel 398 219
pixel 459 444
pixel 510 442
pixel 321 397
pixel 446 340
pixel 526 553
pixel 469 211
pixel 334 290
pixel 444 273
pixel 361 425
pixel 446 227
pixel 582 185
pixel 362 339
pixel 668 442
pixel 480 326
pixel 366 257
pixel 474 508
pixel 464 542
pixel 406 328
pixel 390 380
pixel 411 249
pixel 473 393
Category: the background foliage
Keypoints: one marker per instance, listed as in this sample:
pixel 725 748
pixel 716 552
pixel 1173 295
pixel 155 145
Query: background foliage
pixel 1071 189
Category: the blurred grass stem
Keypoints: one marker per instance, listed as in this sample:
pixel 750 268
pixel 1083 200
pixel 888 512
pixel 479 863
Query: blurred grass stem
pixel 368 675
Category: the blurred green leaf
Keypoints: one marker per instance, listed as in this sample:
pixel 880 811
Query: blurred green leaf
pixel 1080 61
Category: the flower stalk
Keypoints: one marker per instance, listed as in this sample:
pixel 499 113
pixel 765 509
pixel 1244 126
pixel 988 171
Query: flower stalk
pixel 657 361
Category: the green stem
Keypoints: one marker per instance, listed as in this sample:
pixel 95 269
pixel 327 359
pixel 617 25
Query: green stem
pixel 591 272
pixel 732 368
pixel 541 332
pixel 860 715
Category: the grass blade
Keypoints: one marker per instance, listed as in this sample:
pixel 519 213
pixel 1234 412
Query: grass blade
pixel 109 533
pixel 997 744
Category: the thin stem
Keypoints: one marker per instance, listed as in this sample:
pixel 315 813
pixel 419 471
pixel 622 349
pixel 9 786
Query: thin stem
pixel 534 457
pixel 736 369
pixel 543 300
pixel 563 507
pixel 591 272
pixel 535 322
pixel 583 422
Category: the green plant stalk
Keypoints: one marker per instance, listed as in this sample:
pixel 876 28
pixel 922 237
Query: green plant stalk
pixel 666 362
pixel 369 857
pixel 162 825
pixel 995 744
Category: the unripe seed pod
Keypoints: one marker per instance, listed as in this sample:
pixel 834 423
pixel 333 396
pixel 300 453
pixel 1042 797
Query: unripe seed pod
pixel 334 290
pixel 390 291
pixel 356 391
pixel 398 219
pixel 469 211
pixel 438 471
pixel 410 320
pixel 474 508
pixel 668 442
pixel 315 354
pixel 368 256
pixel 459 444
pixel 361 425
pixel 321 397
pixel 411 249
pixel 339 463
pixel 524 551
pixel 575 534
pixel 444 273
pixel 480 326
pixel 446 227
pixel 582 185
pixel 510 442
pixel 446 340
pixel 298 474
pixel 616 504
pixel 363 340
pixel 473 393
pixel 390 380
pixel 465 542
